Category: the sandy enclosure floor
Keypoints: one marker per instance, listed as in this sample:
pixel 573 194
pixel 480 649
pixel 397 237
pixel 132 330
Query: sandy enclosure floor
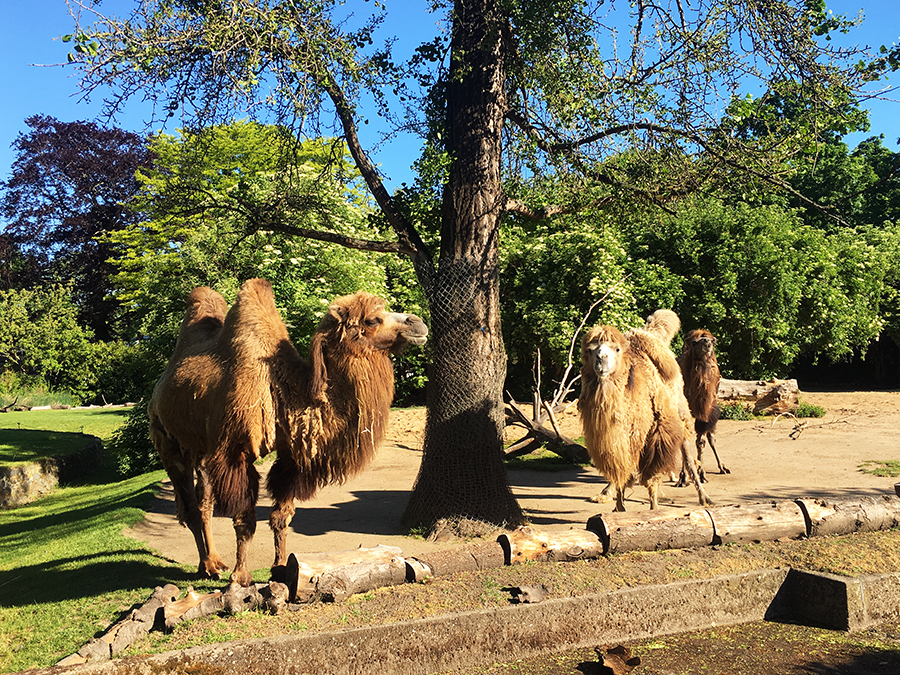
pixel 766 464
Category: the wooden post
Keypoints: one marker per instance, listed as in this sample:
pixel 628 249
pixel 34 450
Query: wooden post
pixel 757 522
pixel 655 530
pixel 526 543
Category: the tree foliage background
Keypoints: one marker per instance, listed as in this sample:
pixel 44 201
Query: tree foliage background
pixel 612 147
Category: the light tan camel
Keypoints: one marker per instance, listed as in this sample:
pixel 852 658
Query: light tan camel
pixel 635 417
pixel 236 389
pixel 700 371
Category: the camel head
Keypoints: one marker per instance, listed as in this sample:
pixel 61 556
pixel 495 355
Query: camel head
pixel 362 323
pixel 700 342
pixel 602 351
pixel 359 326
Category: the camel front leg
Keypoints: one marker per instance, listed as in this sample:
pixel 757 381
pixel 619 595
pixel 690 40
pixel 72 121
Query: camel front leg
pixel 282 513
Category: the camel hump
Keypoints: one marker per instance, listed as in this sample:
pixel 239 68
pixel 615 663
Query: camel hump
pixel 657 351
pixel 204 305
pixel 255 318
pixel 664 324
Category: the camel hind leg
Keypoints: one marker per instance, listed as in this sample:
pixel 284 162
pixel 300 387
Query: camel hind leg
pixel 688 463
pixel 653 491
pixel 711 438
pixel 188 499
pixel 214 563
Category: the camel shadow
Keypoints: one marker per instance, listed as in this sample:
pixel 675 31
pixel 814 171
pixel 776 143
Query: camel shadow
pixel 376 512
pixel 88 576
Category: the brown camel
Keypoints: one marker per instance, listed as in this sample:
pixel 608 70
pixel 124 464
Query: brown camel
pixel 636 421
pixel 236 389
pixel 701 386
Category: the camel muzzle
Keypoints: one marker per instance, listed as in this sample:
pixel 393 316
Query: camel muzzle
pixel 416 332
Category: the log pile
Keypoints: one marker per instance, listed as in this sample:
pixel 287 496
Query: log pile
pixel 772 397
pixel 336 576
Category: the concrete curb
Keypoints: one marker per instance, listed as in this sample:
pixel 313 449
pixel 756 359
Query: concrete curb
pixel 477 638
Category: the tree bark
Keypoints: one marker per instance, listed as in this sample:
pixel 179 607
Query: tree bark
pixel 462 476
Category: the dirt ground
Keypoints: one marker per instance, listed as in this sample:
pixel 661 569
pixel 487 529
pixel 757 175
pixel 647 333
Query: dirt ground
pixel 766 464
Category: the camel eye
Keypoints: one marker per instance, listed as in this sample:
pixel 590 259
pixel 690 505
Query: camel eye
pixel 374 321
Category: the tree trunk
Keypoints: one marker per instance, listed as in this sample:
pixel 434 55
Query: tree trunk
pixel 462 476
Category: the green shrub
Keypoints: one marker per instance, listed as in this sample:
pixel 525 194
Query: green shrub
pixel 810 410
pixel 131 447
pixel 735 411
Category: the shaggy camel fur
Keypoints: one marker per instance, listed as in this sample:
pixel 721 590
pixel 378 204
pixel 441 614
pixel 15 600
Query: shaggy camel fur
pixel 635 417
pixel 236 389
pixel 701 385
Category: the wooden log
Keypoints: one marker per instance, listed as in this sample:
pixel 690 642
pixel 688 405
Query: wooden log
pixel 315 564
pixel 150 610
pixel 238 599
pixel 526 543
pixel 757 522
pixel 867 514
pixel 193 605
pixel 417 571
pixel 657 530
pixel 121 634
pixel 301 576
pixel 337 584
pixel 772 397
pixel 487 555
pixel 275 597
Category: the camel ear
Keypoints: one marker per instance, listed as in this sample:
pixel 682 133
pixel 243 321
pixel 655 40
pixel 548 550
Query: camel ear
pixel 319 379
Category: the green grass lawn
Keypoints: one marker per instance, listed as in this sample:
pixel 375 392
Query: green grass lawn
pixel 36 434
pixel 67 572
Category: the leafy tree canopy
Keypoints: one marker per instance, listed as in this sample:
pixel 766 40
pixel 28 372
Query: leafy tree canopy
pixel 217 205
pixel 69 184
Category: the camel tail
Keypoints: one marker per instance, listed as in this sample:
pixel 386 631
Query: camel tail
pixel 662 452
pixel 235 482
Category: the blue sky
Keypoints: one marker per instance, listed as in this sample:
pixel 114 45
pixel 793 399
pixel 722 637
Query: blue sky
pixel 29 31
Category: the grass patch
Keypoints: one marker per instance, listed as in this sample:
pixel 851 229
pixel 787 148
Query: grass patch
pixel 541 459
pixel 886 468
pixel 100 422
pixel 67 572
pixel 33 435
pixel 19 446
